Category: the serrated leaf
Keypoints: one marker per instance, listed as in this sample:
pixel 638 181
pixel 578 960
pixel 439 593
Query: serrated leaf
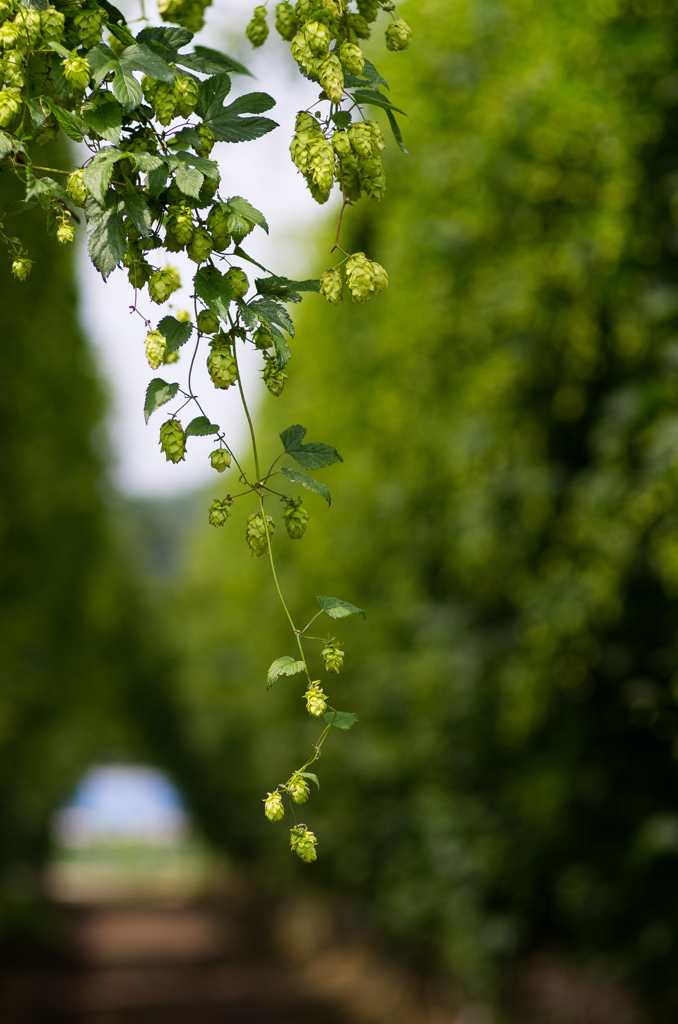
pixel 185 138
pixel 97 175
pixel 377 99
pixel 315 455
pixel 271 312
pixel 284 289
pixel 369 77
pixel 297 477
pixel 107 243
pixel 215 292
pixel 337 609
pixel 114 15
pixel 147 162
pixel 284 666
pixel 137 210
pixel 342 719
pixel 311 776
pixel 201 427
pixel 282 349
pixel 250 103
pixel 231 128
pixel 158 393
pixel 141 58
pixel 122 34
pixel 207 167
pixel 104 118
pixel 36 112
pixel 126 89
pixel 74 127
pixel 43 189
pixel 176 332
pixel 5 145
pixel 169 38
pixel 342 119
pixel 35 5
pixel 189 180
pixel 239 205
pixel 157 179
pixel 101 60
pixel 292 437
pixel 211 62
pixel 211 95
pixel 395 128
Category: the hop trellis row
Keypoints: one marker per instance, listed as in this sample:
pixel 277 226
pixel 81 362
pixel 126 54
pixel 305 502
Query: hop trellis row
pixel 150 109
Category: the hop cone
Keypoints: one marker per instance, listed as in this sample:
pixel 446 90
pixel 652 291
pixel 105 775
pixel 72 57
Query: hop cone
pixel 359 276
pixel 351 58
pixel 274 378
pixel 222 366
pixel 295 518
pixel 331 78
pixel 220 459
pixel 255 533
pixel 303 54
pixel 156 346
pixel 172 441
pixel 238 281
pixel 331 286
pixel 51 25
pixel 285 21
pixel 341 143
pixel 321 164
pixel 207 139
pixel 315 700
pixel 180 223
pixel 303 843
pixel 333 657
pixel 76 72
pixel 273 806
pixel 217 225
pixel 398 35
pixel 359 26
pixel 200 246
pixel 12 70
pixel 77 188
pixel 88 25
pixel 219 511
pixel 257 29
pixel 208 322
pixel 162 284
pixel 369 9
pixel 298 789
pixel 263 338
pixel 185 95
pixel 10 102
pixel 21 267
pixel 317 35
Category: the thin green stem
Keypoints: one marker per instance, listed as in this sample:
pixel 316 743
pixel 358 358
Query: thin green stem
pixel 253 438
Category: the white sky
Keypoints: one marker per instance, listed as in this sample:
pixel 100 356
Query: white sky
pixel 263 173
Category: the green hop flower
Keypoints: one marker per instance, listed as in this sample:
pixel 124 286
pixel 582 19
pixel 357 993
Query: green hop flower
pixel 238 281
pixel 348 176
pixel 285 21
pixel 27 25
pixel 208 322
pixel 65 233
pixel 163 99
pixel 332 656
pixel 183 316
pixel 295 517
pixel 21 267
pixel 361 139
pixel 359 26
pixel 303 843
pixel 156 346
pixel 185 95
pixel 274 378
pixel 180 223
pixel 315 699
pixel 372 177
pixel 369 9
pixel 220 459
pixel 331 78
pixel 163 283
pixel 263 339
pixel 351 58
pixel 257 29
pixel 220 511
pixel 51 25
pixel 317 35
pixel 221 365
pixel 217 225
pixel 200 246
pixel 12 69
pixel 341 143
pixel 88 24
pixel 207 139
pixel 321 166
pixel 207 191
pixel 273 806
pixel 298 789
pixel 77 188
pixel 173 441
pixel 359 277
pixel 332 286
pixel 379 278
pixel 255 533
pixel 303 54
pixel 303 9
pixel 76 72
pixel 10 102
pixel 398 35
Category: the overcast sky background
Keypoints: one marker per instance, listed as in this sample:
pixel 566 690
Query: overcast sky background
pixel 263 173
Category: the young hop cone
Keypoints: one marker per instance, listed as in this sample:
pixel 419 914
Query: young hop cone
pixel 295 517
pixel 21 267
pixel 172 441
pixel 163 283
pixel 156 346
pixel 298 789
pixel 303 843
pixel 238 281
pixel 219 511
pixel 273 377
pixel 257 29
pixel 255 533
pixel 332 286
pixel 65 233
pixel 273 806
pixel 286 21
pixel 221 365
pixel 76 72
pixel 351 58
pixel 77 188
pixel 332 656
pixel 398 35
pixel 220 459
pixel 208 322
pixel 315 699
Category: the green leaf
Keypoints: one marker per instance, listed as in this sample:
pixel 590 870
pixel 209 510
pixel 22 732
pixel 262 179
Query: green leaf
pixel 342 719
pixel 207 167
pixel 370 76
pixel 175 332
pixel 211 62
pixel 74 127
pixel 297 477
pixel 201 427
pixel 121 33
pixel 211 95
pixel 157 179
pixel 115 17
pixel 284 289
pixel 189 180
pixel 284 666
pixel 250 103
pixel 36 111
pixel 126 89
pixel 137 210
pixel 282 349
pixel 271 312
pixel 311 776
pixel 231 128
pixel 158 393
pixel 395 128
pixel 147 162
pixel 101 60
pixel 185 138
pixel 104 118
pixel 97 175
pixel 141 58
pixel 377 99
pixel 43 189
pixel 35 5
pixel 215 292
pixel 5 145
pixel 292 437
pixel 342 119
pixel 315 455
pixel 107 243
pixel 169 38
pixel 239 205
pixel 337 609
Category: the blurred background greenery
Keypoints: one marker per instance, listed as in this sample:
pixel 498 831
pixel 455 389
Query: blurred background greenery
pixel 506 513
